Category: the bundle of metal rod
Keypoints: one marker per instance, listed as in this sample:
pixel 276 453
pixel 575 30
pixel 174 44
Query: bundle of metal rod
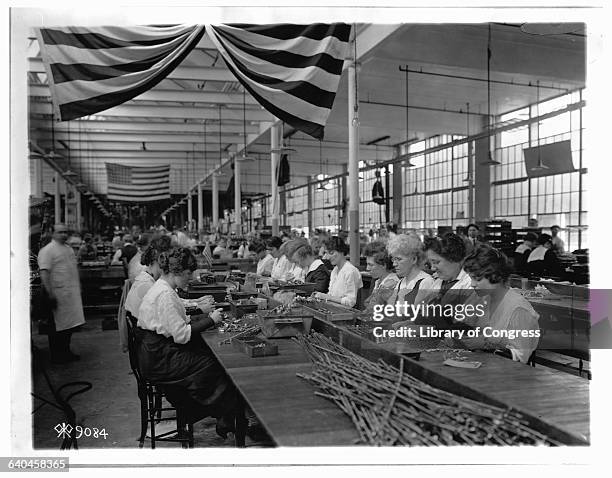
pixel 246 332
pixel 390 407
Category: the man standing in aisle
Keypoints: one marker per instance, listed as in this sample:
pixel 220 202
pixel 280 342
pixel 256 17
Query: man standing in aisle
pixel 60 278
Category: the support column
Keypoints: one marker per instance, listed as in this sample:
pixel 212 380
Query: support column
pixel 79 221
pixel 189 210
pixel 67 215
pixel 310 198
pixel 341 216
pixel 470 169
pixel 353 180
pixel 38 174
pixel 482 181
pixel 215 202
pixel 200 209
pixel 275 133
pixel 237 197
pixel 58 200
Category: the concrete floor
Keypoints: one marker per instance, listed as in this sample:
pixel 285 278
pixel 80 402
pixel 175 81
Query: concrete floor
pixel 111 404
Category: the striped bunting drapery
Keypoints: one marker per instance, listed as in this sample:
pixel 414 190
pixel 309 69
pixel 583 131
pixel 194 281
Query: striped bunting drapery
pixel 137 184
pixel 293 71
pixel 91 69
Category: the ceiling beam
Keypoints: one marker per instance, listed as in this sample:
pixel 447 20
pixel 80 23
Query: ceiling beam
pixel 169 95
pixel 134 127
pixel 93 138
pixel 161 111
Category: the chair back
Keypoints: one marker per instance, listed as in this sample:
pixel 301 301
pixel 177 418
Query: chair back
pixel 133 345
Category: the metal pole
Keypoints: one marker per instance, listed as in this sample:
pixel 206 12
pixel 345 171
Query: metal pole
pixel 200 209
pixel 66 215
pixel 38 185
pixel 77 196
pixel 215 202
pixel 58 201
pixel 189 209
pixel 580 172
pixel 275 133
pixel 353 179
pixel 237 198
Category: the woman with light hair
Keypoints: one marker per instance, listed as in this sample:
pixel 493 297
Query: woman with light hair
pixel 281 264
pixel 295 272
pixel 408 256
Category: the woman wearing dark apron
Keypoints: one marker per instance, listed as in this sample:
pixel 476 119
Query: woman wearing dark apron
pixel 173 352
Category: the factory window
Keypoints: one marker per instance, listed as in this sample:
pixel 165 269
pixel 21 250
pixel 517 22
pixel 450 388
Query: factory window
pixel 555 199
pixel 436 188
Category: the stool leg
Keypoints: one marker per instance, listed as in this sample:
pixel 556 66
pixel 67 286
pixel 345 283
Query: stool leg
pixel 144 421
pixel 241 424
pixel 152 401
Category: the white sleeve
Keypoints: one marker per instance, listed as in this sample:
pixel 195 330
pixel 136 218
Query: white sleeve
pixel 172 314
pixel 352 286
pixel 45 261
pixel 522 347
pixel 117 255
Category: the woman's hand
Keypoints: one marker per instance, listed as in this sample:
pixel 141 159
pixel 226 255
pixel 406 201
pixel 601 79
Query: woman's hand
pixel 321 295
pixel 206 308
pixel 216 316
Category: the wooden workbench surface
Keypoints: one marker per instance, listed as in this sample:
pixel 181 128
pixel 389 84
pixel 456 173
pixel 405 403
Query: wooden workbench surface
pixel 557 397
pixel 293 416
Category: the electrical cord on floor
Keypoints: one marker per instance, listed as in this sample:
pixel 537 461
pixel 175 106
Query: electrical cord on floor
pixel 61 403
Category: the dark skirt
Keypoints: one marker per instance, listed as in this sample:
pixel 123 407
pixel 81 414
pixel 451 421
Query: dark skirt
pixel 192 377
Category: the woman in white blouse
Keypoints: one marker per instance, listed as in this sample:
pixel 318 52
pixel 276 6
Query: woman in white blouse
pixel 281 264
pixel 147 277
pixel 265 261
pixel 507 310
pixel 172 350
pixel 345 280
pixel 408 256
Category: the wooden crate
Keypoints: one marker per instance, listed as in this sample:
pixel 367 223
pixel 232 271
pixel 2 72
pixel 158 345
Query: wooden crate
pixel 255 346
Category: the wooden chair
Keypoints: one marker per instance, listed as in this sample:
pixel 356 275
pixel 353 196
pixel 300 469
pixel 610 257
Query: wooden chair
pixel 151 395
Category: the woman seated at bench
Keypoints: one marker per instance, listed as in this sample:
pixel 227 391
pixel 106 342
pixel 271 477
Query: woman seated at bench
pixel 507 310
pixel 345 280
pixel 172 350
pixel 316 271
pixel 380 266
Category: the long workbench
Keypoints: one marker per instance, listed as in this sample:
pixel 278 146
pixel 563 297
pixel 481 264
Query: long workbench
pixel 285 404
pixel 555 402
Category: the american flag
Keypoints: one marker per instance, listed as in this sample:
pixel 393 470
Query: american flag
pixel 293 71
pixel 91 69
pixel 137 184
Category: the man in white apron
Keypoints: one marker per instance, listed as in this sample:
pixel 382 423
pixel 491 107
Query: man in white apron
pixel 60 278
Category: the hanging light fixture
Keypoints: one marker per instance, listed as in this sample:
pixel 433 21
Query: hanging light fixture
pixel 408 163
pixel 490 161
pixel 68 173
pixel 540 166
pixel 244 156
pixel 218 172
pixel 330 182
pixel 320 176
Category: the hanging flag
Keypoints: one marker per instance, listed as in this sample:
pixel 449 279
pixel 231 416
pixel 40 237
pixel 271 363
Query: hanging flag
pixel 137 184
pixel 293 71
pixel 91 69
pixel 283 175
